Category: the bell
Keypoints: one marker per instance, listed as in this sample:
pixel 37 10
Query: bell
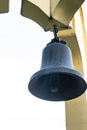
pixel 57 80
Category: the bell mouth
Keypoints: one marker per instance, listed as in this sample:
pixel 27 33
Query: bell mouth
pixel 57 84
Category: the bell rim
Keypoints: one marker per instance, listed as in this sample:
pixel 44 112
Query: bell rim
pixel 59 70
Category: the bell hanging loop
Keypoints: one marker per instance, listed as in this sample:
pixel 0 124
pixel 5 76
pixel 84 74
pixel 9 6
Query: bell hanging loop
pixel 56 39
pixel 55 31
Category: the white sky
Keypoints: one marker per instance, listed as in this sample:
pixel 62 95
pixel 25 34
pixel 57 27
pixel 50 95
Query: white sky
pixel 21 44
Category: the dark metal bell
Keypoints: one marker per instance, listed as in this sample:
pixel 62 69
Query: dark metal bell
pixel 57 80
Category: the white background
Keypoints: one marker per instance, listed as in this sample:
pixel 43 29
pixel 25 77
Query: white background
pixel 21 45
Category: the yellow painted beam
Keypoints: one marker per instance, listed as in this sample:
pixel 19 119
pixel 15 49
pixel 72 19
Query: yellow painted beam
pixel 4 6
pixel 76 109
pixel 48 13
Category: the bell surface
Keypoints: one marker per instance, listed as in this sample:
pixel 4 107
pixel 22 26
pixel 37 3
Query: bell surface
pixel 57 80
